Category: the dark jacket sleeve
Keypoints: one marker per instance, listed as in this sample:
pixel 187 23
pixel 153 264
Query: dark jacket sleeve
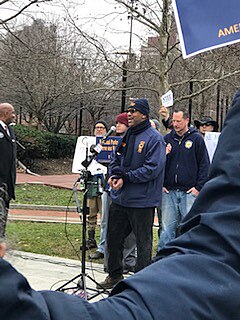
pixel 203 164
pixel 166 123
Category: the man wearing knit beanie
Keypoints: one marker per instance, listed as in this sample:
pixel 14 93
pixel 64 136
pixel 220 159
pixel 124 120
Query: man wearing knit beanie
pixel 141 105
pixel 136 176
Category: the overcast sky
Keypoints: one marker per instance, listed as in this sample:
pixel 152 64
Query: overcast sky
pixel 112 21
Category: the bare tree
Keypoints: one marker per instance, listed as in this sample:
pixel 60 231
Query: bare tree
pixel 196 80
pixel 37 75
pixel 15 8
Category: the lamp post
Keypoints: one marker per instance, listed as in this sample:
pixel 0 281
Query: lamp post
pixel 190 101
pixel 129 57
pixel 79 116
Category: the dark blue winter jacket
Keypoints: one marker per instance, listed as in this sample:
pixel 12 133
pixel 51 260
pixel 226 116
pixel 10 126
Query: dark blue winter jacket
pixel 196 276
pixel 188 162
pixel 144 174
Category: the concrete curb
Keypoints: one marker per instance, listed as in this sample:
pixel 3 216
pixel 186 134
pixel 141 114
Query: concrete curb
pixel 43 207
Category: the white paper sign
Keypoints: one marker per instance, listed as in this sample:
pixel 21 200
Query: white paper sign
pixel 211 141
pixel 83 145
pixel 167 99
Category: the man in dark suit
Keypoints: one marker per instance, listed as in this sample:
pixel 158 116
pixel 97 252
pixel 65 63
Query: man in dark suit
pixel 7 167
pixel 7 150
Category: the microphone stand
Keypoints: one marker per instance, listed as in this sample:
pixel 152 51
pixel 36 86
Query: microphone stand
pixel 81 285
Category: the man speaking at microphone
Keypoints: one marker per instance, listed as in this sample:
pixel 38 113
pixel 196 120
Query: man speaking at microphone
pixel 136 178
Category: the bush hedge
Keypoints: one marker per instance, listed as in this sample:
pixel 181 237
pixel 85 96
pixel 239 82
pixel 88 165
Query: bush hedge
pixel 43 145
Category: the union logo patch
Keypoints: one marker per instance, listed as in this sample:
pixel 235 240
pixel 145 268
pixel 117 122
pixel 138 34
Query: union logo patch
pixel 188 144
pixel 132 104
pixel 140 146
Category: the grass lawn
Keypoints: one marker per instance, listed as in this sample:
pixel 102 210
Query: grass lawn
pixel 54 239
pixel 44 195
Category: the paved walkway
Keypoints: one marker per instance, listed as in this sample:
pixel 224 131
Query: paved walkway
pixel 61 181
pixel 50 273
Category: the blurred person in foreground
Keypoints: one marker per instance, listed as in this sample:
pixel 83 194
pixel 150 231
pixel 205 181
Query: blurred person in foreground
pixel 195 276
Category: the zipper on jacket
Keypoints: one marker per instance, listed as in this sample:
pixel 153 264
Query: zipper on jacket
pixel 176 175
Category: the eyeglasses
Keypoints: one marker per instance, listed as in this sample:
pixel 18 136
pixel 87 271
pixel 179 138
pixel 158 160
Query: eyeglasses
pixel 131 110
pixel 100 128
pixel 207 124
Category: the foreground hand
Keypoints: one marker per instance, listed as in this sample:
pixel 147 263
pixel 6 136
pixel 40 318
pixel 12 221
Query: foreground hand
pixel 194 191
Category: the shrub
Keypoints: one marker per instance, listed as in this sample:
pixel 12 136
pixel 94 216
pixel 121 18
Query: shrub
pixel 43 145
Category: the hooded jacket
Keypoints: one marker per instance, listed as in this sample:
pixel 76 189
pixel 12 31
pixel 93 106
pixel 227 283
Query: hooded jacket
pixel 188 162
pixel 196 276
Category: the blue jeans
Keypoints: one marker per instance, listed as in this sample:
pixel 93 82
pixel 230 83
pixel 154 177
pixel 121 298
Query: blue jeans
pixel 175 205
pixel 106 201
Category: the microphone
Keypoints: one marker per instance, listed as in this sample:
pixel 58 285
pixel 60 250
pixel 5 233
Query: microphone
pixel 95 150
pixel 110 131
pixel 98 148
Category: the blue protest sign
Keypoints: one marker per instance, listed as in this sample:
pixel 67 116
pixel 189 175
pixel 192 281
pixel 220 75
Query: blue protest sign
pixel 107 148
pixel 206 24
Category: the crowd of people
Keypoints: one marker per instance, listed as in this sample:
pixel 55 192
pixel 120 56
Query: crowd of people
pixel 147 172
pixel 194 275
pixel 144 177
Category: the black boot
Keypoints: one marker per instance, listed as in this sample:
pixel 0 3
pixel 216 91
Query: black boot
pixel 91 243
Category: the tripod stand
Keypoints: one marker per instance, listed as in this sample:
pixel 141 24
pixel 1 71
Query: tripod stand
pixel 81 284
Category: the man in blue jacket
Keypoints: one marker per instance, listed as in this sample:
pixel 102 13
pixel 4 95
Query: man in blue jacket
pixel 196 276
pixel 185 174
pixel 136 178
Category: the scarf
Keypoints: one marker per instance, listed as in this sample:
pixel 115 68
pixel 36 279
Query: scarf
pixel 126 146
